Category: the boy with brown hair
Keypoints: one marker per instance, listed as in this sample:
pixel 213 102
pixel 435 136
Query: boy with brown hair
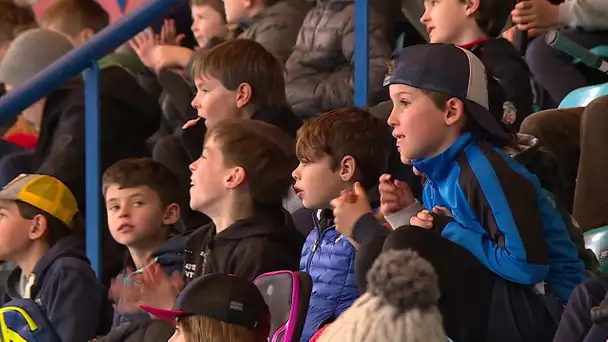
pixel 142 201
pixel 14 19
pixel 238 182
pixel 77 19
pixel 235 79
pixel 339 150
pixel 476 25
pixel 38 217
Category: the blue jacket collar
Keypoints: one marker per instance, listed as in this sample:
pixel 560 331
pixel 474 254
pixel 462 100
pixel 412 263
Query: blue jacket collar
pixel 437 168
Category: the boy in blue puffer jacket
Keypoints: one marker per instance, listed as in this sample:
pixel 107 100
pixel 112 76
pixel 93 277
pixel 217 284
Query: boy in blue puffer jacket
pixel 335 149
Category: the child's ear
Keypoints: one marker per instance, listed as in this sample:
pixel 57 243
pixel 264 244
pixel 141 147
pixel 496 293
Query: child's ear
pixel 471 7
pixel 454 112
pixel 39 227
pixel 348 168
pixel 236 177
pixel 243 95
pixel 172 214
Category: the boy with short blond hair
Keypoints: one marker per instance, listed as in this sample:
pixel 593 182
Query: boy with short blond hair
pixel 38 217
pixel 476 26
pixel 142 202
pixel 339 150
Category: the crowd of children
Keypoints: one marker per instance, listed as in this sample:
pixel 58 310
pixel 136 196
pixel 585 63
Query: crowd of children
pixel 245 156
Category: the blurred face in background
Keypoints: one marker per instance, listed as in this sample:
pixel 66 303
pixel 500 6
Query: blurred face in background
pixel 207 23
pixel 33 114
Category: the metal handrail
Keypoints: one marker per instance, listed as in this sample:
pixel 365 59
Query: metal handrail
pixel 68 67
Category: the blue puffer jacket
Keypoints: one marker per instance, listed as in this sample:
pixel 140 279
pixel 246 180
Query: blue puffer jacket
pixel 329 258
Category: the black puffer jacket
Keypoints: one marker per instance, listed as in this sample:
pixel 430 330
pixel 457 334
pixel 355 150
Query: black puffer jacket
pixel 276 28
pixel 320 69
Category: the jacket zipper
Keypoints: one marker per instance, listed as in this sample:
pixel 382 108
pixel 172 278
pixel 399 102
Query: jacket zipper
pixel 315 246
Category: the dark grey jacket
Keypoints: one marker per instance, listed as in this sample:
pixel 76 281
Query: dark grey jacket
pixel 277 27
pixel 320 69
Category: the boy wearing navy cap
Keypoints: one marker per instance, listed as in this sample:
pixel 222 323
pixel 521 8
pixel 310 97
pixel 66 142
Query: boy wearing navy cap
pixel 479 200
pixel 218 307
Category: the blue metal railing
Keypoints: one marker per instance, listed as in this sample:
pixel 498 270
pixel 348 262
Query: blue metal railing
pixel 106 41
pixel 361 72
pixel 68 67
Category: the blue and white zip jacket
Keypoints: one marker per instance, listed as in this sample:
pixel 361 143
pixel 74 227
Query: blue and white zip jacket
pixel 501 215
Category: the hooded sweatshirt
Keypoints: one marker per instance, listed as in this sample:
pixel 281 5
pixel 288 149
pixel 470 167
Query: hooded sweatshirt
pixel 264 242
pixel 170 256
pixel 65 286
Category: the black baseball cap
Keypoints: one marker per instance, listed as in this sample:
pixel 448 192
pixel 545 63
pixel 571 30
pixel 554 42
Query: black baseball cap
pixel 223 297
pixel 451 70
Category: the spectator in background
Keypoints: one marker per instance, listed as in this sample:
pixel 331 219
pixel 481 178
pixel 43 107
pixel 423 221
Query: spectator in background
pixel 319 74
pixel 272 23
pixel 128 117
pixel 475 25
pixel 14 19
pixel 584 21
pixel 79 20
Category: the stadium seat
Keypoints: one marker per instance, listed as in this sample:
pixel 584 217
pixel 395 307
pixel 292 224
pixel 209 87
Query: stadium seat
pixel 583 96
pixel 287 294
pixel 597 241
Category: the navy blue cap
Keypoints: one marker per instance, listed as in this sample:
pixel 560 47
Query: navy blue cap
pixel 451 70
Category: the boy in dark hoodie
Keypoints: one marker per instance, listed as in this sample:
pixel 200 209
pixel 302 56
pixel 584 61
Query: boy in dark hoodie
pixel 238 181
pixel 142 199
pixel 475 25
pixel 37 218
pixel 235 79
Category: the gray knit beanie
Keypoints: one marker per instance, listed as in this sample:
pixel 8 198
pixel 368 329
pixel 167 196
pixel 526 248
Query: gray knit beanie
pixel 31 52
pixel 399 306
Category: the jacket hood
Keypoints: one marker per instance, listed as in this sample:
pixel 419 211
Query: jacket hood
pixel 68 247
pixel 266 222
pixel 280 116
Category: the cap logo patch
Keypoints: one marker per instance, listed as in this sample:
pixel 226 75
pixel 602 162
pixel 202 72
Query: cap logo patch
pixel 237 306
